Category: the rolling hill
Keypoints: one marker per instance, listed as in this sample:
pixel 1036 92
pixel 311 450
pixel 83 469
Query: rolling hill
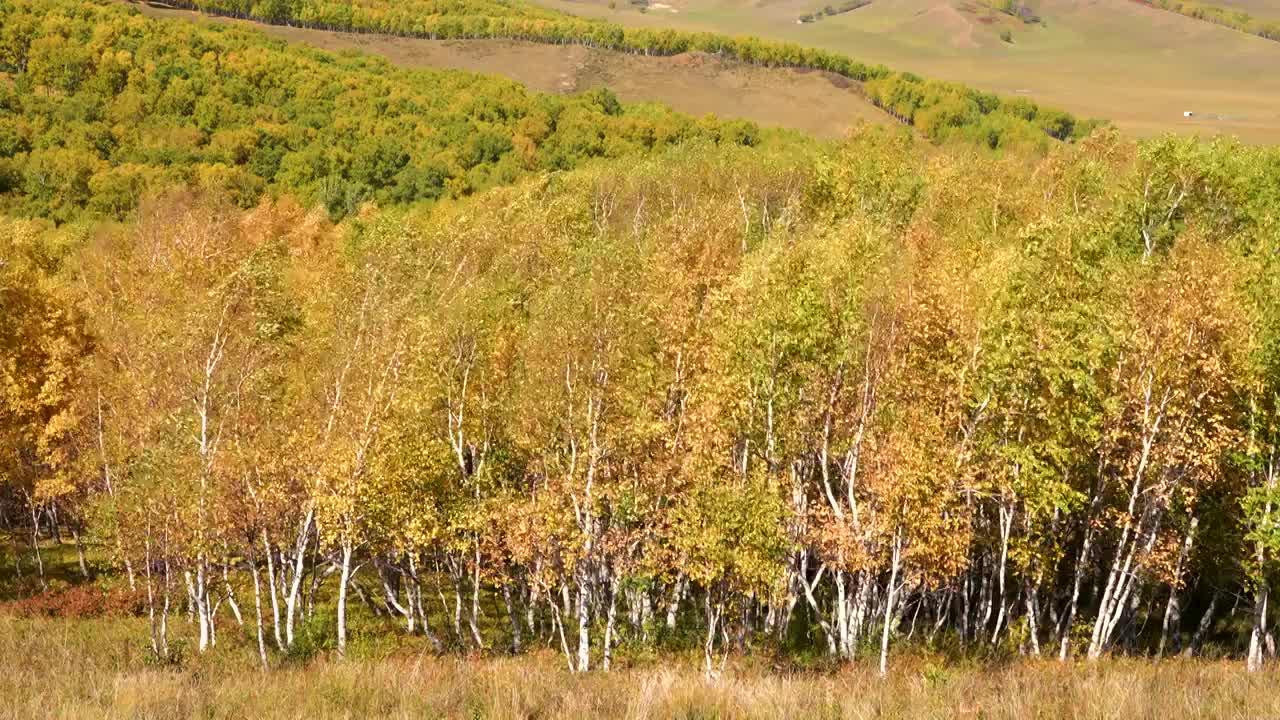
pixel 822 104
pixel 1138 66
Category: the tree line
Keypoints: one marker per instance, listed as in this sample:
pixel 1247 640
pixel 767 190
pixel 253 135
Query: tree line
pixel 1227 17
pixel 99 105
pixel 721 398
pixel 941 110
pixel 829 11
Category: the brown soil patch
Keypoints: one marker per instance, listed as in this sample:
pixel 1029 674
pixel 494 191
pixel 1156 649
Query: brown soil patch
pixel 951 23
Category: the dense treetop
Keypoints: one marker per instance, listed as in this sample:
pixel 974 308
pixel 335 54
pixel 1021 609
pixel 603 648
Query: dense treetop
pixel 98 104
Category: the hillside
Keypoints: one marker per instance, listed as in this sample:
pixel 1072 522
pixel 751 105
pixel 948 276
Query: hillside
pixel 335 387
pixel 697 83
pixel 1138 66
pixel 943 111
pixel 106 106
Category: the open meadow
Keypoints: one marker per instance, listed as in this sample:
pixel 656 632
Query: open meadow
pixel 79 652
pixel 1137 66
pixel 60 669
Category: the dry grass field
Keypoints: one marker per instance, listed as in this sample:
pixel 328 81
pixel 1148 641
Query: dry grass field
pixel 815 102
pixel 1257 8
pixel 86 669
pixel 1116 59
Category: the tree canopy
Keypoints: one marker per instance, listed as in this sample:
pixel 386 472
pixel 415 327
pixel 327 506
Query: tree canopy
pixel 99 105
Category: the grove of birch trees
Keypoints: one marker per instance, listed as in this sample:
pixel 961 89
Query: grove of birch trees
pixel 838 402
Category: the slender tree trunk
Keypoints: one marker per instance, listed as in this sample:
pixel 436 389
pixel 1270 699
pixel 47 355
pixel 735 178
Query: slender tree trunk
pixel 610 618
pixel 1006 529
pixel 513 617
pixel 54 525
pixel 191 596
pixel 1129 588
pixel 84 566
pixel 1258 633
pixel 342 596
pixel 1109 606
pixel 861 608
pixel 677 593
pixel 473 618
pixel 842 615
pixel 584 626
pixel 257 609
pixel 1033 609
pixel 17 561
pixel 457 606
pixel 557 622
pixel 713 615
pixel 106 482
pixel 1172 608
pixel 272 583
pixel 824 623
pixel 419 606
pixel 295 586
pixel 942 614
pixel 151 598
pixel 890 596
pixel 231 594
pixel 531 612
pixel 35 542
pixel 164 610
pixel 197 598
pixel 317 577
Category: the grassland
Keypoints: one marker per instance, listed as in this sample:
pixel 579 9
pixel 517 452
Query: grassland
pixel 820 103
pixel 94 662
pixel 98 669
pixel 1261 8
pixel 1135 65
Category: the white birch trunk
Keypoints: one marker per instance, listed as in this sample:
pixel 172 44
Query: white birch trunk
pixel 584 628
pixel 890 597
pixel 342 597
pixel 257 608
pixel 295 584
pixel 275 602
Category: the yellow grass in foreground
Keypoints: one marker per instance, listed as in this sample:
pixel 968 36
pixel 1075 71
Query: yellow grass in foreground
pixel 90 669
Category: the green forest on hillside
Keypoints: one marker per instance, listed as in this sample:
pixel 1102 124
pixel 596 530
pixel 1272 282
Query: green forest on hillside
pixel 300 353
pixel 100 105
pixel 940 110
